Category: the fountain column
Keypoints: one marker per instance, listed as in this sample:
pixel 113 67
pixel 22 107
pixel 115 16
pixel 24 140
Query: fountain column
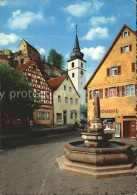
pixel 96 136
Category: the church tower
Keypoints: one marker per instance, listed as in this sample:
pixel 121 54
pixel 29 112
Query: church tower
pixel 77 70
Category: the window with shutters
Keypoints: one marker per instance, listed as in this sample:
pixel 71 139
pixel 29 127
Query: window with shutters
pixel 113 71
pixel 95 93
pixel 126 49
pixel 130 90
pixel 112 92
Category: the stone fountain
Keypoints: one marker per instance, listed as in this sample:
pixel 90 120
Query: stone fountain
pixel 96 156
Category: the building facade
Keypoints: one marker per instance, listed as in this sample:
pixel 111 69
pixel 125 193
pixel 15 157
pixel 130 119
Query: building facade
pixel 26 53
pixel 43 115
pixel 114 81
pixel 65 100
pixel 77 70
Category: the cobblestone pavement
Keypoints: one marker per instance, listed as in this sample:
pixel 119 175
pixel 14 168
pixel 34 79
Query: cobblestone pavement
pixel 33 170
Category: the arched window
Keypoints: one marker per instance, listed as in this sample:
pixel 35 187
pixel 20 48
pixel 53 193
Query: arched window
pixel 73 75
pixel 72 64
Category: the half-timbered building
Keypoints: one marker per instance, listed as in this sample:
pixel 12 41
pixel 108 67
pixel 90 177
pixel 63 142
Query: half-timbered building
pixel 44 115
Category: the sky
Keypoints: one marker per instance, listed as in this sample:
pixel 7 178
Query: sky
pixel 50 24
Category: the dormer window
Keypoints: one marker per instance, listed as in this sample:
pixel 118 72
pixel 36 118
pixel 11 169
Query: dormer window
pixel 72 64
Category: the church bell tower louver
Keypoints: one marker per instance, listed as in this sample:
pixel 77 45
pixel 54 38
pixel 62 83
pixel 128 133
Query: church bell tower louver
pixel 77 70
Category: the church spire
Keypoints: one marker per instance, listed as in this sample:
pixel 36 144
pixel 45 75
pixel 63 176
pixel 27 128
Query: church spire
pixel 76 44
pixel 76 54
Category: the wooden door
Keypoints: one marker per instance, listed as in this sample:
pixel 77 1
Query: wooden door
pixel 126 129
pixel 132 129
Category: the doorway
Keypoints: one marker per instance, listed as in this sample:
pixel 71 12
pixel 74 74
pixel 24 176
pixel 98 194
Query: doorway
pixel 64 117
pixel 129 128
pixel 126 128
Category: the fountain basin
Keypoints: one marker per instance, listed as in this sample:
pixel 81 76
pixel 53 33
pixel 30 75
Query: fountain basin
pixel 122 154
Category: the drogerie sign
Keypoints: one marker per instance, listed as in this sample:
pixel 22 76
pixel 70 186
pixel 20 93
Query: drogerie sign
pixel 109 111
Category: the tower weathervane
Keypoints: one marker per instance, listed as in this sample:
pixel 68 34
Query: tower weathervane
pixel 76 28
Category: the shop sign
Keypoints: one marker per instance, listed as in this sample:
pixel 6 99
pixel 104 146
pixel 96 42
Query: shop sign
pixel 109 111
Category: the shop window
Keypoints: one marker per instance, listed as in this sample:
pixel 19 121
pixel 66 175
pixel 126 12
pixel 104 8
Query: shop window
pixel 130 90
pixel 66 99
pixel 59 117
pixel 112 92
pixel 43 115
pixel 73 75
pixel 59 98
pixel 71 100
pixel 72 65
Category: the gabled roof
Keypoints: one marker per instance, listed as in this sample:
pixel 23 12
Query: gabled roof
pixel 25 66
pixel 3 57
pixel 30 46
pixel 109 50
pixel 54 83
